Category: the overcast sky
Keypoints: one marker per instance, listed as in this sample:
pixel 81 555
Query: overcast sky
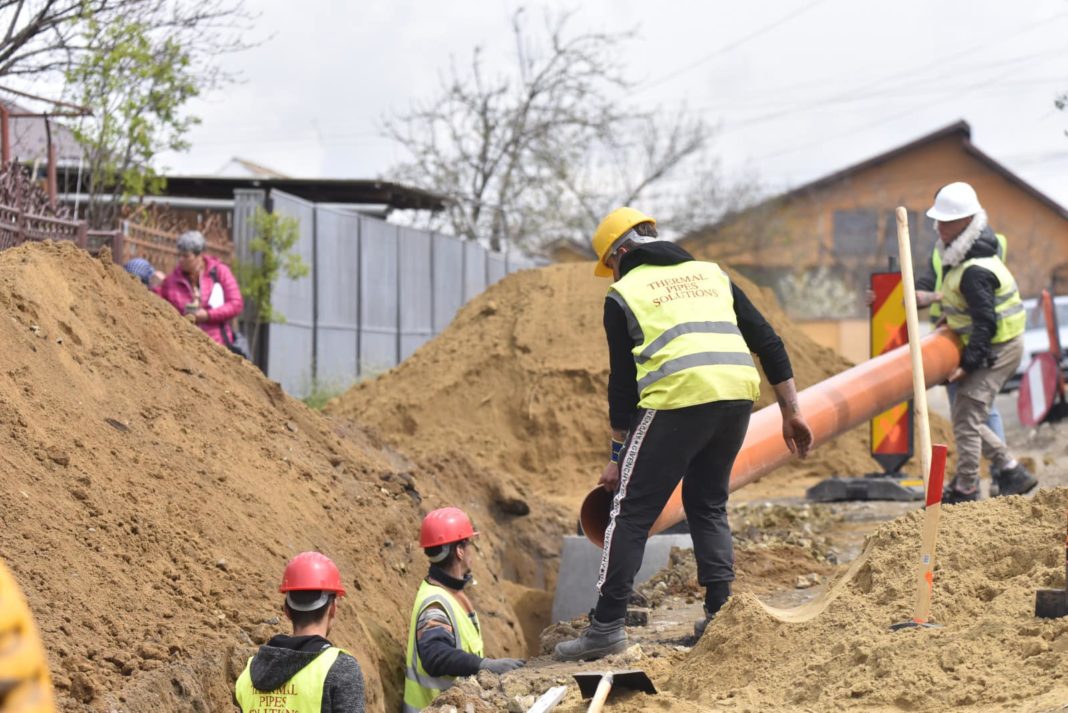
pixel 798 88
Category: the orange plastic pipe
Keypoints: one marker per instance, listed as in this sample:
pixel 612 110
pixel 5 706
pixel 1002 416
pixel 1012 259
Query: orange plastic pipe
pixel 830 407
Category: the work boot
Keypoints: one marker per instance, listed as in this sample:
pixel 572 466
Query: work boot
pixel 596 641
pixel 1017 481
pixel 700 625
pixel 716 595
pixel 952 496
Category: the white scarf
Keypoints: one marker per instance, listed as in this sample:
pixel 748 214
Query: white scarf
pixel 953 254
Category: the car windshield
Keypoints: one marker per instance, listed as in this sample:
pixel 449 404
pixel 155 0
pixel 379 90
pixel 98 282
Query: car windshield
pixel 1035 320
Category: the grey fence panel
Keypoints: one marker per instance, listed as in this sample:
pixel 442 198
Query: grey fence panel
pixel 337 284
pixel 379 313
pixel 289 348
pixel 474 269
pixel 246 202
pixel 448 279
pixel 416 289
pixel 496 267
pixel 376 292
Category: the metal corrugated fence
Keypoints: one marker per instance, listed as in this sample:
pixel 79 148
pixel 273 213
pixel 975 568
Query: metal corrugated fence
pixel 376 292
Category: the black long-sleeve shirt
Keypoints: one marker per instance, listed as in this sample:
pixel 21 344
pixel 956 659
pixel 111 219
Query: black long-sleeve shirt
pixel 435 638
pixel 623 395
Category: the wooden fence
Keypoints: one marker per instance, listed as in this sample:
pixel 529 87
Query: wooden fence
pixel 159 247
pixel 18 227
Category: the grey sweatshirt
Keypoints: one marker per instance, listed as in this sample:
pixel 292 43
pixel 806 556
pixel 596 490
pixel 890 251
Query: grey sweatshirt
pixel 282 657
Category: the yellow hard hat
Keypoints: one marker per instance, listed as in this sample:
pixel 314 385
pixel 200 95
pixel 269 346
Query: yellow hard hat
pixel 611 228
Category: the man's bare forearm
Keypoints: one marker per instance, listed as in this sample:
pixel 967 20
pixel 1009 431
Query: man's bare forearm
pixel 786 395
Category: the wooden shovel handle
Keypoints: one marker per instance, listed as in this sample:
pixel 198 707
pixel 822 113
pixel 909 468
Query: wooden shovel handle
pixel 601 694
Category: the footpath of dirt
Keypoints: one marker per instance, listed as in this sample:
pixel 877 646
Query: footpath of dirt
pixel 152 487
pixel 518 383
pixel 837 652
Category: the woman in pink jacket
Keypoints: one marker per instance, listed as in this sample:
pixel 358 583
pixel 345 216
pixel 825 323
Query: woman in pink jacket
pixel 203 287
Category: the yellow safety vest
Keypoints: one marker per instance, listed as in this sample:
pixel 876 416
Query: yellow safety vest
pixel 1008 307
pixel 935 312
pixel 420 688
pixel 688 347
pixel 301 694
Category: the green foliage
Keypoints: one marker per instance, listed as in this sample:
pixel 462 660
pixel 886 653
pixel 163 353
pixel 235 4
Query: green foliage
pixel 272 255
pixel 137 82
pixel 323 392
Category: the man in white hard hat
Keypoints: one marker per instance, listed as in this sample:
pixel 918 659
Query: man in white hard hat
pixel 981 304
pixel 929 294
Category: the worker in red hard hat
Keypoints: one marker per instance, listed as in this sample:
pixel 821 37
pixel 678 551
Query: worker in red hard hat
pixel 304 673
pixel 444 638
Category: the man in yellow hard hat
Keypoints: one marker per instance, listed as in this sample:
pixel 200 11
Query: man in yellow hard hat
pixel 304 673
pixel 981 304
pixel 682 385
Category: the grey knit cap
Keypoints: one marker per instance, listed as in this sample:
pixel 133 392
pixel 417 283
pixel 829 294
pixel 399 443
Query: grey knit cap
pixel 191 241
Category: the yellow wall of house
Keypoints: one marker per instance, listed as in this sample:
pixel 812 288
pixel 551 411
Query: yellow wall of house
pixel 848 337
pixel 798 232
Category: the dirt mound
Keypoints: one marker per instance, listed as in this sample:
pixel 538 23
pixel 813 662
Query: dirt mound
pixel 992 653
pixel 518 382
pixel 153 486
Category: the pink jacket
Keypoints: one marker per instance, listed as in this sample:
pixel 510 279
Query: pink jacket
pixel 177 290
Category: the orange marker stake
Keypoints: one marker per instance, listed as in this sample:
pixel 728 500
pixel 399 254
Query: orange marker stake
pixel 932 514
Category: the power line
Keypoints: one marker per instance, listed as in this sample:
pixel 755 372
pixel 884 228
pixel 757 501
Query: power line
pixel 901 88
pixel 881 121
pixel 727 48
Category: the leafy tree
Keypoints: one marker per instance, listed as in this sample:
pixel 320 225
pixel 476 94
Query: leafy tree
pixel 543 148
pixel 273 254
pixel 138 85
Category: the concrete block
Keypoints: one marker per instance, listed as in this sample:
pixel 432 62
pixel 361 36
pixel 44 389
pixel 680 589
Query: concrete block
pixel 580 565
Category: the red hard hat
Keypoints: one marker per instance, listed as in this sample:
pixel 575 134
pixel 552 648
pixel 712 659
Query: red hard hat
pixel 311 571
pixel 445 526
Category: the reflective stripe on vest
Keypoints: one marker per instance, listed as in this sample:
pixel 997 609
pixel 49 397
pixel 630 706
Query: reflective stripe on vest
pixel 935 313
pixel 303 693
pixel 1008 307
pixel 688 348
pixel 420 688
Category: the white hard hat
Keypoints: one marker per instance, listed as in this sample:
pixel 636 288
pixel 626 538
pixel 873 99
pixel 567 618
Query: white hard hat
pixel 955 201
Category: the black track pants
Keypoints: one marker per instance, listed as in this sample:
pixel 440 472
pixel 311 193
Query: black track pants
pixel 697 445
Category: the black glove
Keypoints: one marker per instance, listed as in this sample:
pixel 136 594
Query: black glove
pixel 500 666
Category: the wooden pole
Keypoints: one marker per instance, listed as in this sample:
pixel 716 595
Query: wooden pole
pixel 51 171
pixel 5 134
pixel 919 387
pixel 929 537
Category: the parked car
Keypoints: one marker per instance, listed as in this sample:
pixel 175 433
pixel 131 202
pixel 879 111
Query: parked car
pixel 1036 338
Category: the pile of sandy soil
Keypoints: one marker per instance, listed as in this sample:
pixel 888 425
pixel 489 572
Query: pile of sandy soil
pixel 518 382
pixel 153 486
pixel 838 653
pixel 992 653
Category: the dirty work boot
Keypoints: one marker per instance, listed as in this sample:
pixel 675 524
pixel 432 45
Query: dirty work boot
pixel 1017 481
pixel 716 595
pixel 597 640
pixel 700 625
pixel 952 496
